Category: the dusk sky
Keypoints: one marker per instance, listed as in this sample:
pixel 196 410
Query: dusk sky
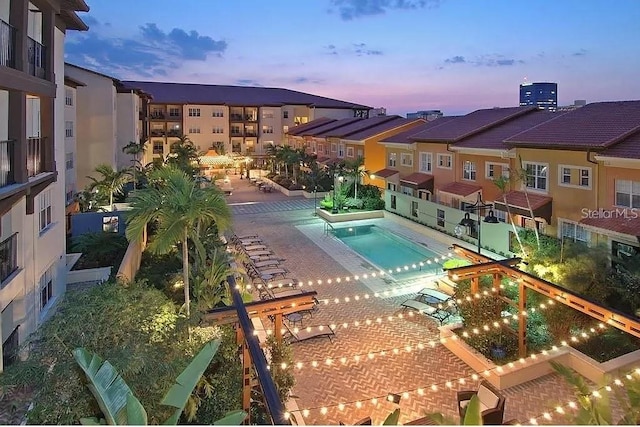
pixel 405 55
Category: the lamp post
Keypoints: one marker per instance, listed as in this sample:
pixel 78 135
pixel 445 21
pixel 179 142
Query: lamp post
pixel 469 223
pixel 315 193
pixel 248 163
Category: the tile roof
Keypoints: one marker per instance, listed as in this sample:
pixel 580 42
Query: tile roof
pixel 403 137
pixel 595 125
pixel 328 126
pixel 202 94
pixel 385 173
pixel 519 199
pixel 493 138
pixel 628 148
pixel 309 125
pixel 418 181
pixel 470 124
pixel 629 226
pixel 381 128
pixel 356 126
pixel 460 188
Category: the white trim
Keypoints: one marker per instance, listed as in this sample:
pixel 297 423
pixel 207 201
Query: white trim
pixel 411 146
pixel 430 162
pixel 616 161
pixel 580 169
pixel 490 152
pixel 437 163
pixel 503 166
pixel 547 177
pixel 403 157
pixel 473 169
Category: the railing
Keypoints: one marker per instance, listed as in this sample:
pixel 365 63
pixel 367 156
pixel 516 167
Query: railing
pixel 37 55
pixel 250 133
pixel 174 133
pixel 236 117
pixel 35 160
pixel 7 172
pixel 155 132
pixel 157 115
pixel 236 133
pixel 7 45
pixel 250 118
pixel 8 258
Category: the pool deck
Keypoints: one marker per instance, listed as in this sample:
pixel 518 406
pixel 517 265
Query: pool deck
pixel 311 254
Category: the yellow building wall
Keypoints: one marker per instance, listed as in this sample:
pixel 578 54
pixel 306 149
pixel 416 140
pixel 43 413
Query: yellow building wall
pixel 441 175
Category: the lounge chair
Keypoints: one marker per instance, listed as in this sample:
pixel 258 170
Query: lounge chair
pixel 259 253
pixel 272 272
pixel 437 313
pixel 432 296
pixel 303 334
pixel 254 247
pixel 491 403
pixel 267 263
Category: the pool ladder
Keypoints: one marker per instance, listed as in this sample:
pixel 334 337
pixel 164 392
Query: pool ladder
pixel 328 227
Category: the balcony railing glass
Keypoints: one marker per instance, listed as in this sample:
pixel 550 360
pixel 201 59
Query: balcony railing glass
pixel 7 170
pixel 37 55
pixel 35 151
pixel 7 45
pixel 8 258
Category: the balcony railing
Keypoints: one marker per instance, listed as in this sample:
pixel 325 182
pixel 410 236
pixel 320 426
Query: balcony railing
pixel 236 133
pixel 7 45
pixel 37 55
pixel 250 118
pixel 8 258
pixel 236 117
pixel 174 132
pixel 7 170
pixel 250 133
pixel 157 115
pixel 35 160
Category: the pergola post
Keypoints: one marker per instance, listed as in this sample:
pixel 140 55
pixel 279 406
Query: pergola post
pixel 522 319
pixel 497 281
pixel 277 326
pixel 475 285
pixel 246 372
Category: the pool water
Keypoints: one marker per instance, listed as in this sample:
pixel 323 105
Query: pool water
pixel 388 251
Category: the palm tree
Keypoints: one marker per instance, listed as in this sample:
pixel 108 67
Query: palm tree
pixel 184 154
pixel 220 147
pixel 134 149
pixel 355 170
pixel 521 175
pixel 179 205
pixel 112 181
pixel 503 184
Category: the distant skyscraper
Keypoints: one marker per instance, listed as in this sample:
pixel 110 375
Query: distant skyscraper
pixel 543 95
pixel 427 115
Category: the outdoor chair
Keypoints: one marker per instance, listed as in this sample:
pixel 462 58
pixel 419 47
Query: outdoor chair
pixel 272 272
pixel 267 263
pixel 491 403
pixel 439 312
pixel 254 247
pixel 302 335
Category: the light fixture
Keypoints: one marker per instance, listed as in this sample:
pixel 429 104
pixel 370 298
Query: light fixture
pixel 467 221
pixel 491 218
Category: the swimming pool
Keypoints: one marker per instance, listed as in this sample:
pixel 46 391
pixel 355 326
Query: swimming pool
pixel 389 252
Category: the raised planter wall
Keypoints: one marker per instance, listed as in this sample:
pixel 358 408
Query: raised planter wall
pixel 519 373
pixel 348 216
pixel 132 258
pixel 98 275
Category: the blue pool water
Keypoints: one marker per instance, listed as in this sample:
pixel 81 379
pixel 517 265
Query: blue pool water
pixel 388 251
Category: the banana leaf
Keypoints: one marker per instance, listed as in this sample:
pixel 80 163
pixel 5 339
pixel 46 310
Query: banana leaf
pixel 392 418
pixel 472 415
pixel 179 393
pixel 115 398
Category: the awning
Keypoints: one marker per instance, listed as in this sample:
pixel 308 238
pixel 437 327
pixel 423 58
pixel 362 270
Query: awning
pixel 460 188
pixel 385 173
pixel 418 181
pixel 212 158
pixel 614 221
pixel 518 204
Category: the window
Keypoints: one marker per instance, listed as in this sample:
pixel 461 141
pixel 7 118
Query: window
pixel 218 129
pixel 68 129
pixel 494 170
pixel 469 171
pixel 45 209
pixel 414 209
pixel 194 129
pixel 267 129
pixel 46 287
pixel 349 151
pixel 574 232
pixel 285 114
pixel 393 202
pixel 174 112
pixel 217 113
pixel 158 147
pixel 426 162
pixel 341 150
pixel 574 176
pixel 110 224
pixel 267 114
pixel 627 193
pixel 585 177
pixel 68 161
pixel 360 152
pixel 194 112
pixel 334 147
pixel 406 159
pixel 320 148
pixel 68 97
pixel 285 129
pixel 491 170
pixel 440 215
pixel 392 159
pixel 444 161
pixel 69 196
pixel 391 186
pixel 406 190
pixel 536 175
pixel 566 175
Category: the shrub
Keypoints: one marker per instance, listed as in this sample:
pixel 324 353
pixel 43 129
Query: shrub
pixel 99 249
pixel 371 204
pixel 369 191
pixel 293 187
pixel 352 203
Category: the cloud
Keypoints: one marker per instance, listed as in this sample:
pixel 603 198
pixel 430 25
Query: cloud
pixel 352 9
pixel 150 52
pixel 357 49
pixel 492 60
pixel 581 52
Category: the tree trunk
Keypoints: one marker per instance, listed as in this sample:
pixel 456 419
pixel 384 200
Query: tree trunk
pixel 185 270
pixel 513 225
pixel 533 217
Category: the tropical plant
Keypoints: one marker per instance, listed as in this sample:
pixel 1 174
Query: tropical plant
pixel 99 249
pixel 111 182
pixel 120 406
pixel 220 147
pixel 355 170
pixel 523 176
pixel 135 149
pixel 503 183
pixel 209 281
pixel 178 205
pixel 472 415
pixel 184 155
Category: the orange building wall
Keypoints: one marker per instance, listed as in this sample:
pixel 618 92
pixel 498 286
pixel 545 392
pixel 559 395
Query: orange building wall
pixel 490 192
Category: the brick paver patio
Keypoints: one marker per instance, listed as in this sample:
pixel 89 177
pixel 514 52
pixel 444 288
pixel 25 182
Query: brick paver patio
pixel 286 233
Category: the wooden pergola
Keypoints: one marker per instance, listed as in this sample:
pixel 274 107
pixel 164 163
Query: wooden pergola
pixel 484 266
pixel 252 356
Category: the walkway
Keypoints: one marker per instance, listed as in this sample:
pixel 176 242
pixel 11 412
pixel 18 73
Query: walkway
pixel 311 255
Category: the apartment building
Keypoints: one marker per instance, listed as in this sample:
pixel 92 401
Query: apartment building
pixel 108 119
pixel 571 175
pixel 243 120
pixel 70 146
pixel 32 135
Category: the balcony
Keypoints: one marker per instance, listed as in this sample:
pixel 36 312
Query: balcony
pixel 236 132
pixel 8 258
pixel 7 170
pixel 250 133
pixel 37 55
pixel 250 118
pixel 35 160
pixel 7 45
pixel 157 132
pixel 174 132
pixel 236 117
pixel 157 115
